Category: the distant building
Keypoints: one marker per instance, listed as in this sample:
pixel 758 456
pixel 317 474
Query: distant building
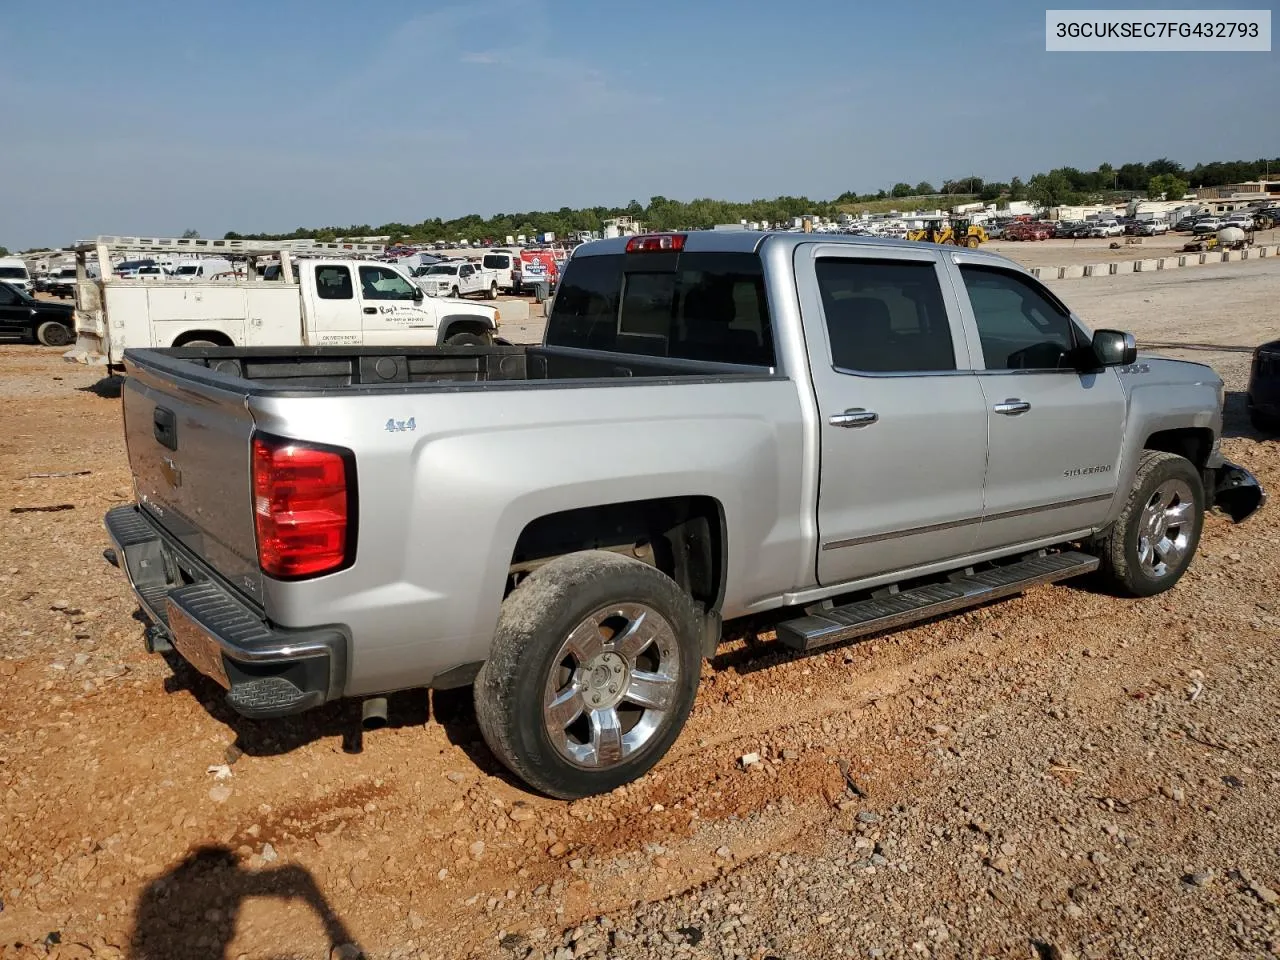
pixel 1250 190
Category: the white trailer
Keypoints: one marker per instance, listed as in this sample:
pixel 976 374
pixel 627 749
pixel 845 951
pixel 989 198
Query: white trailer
pixel 332 297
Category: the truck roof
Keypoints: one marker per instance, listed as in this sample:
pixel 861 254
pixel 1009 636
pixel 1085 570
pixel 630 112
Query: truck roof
pixel 750 241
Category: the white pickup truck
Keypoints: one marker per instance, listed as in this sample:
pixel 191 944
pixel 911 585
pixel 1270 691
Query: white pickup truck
pixel 458 278
pixel 316 302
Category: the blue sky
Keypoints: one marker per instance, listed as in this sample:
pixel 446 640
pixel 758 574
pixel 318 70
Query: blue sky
pixel 149 118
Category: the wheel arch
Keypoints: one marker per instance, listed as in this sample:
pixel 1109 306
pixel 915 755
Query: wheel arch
pixel 685 537
pixel 214 336
pixel 464 323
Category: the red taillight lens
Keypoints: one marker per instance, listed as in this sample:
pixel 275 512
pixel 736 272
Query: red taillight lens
pixel 301 508
pixel 656 242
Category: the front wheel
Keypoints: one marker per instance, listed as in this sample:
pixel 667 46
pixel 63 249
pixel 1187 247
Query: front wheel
pixel 454 293
pixel 972 243
pixel 493 291
pixel 53 334
pixel 591 675
pixel 1153 540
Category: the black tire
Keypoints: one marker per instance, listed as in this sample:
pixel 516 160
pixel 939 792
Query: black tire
pixel 492 294
pixel 467 340
pixel 51 333
pixel 454 293
pixel 536 619
pixel 1123 569
pixel 199 343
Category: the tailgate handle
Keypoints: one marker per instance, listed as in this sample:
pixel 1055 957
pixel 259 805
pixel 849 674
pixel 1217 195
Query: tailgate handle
pixel 166 428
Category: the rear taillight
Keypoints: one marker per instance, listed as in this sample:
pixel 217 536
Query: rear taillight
pixel 656 242
pixel 303 508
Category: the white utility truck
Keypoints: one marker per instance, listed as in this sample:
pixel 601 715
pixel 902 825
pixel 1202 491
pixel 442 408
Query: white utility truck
pixel 332 297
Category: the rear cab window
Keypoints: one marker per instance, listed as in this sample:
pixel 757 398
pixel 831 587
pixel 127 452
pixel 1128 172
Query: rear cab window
pixel 692 306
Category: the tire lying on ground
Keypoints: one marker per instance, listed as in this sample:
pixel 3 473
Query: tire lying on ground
pixel 591 675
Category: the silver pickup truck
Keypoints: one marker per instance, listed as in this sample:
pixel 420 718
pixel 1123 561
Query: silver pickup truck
pixel 717 424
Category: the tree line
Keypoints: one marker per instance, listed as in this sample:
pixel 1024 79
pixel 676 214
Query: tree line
pixel 1062 185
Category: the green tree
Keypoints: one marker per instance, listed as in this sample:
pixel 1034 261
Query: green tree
pixel 992 191
pixel 901 190
pixel 1133 176
pixel 1051 189
pixel 4 251
pixel 924 188
pixel 1166 186
pixel 190 234
pixel 1017 189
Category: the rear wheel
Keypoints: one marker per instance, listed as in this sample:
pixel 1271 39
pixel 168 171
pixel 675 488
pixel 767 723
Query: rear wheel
pixel 493 291
pixel 972 243
pixel 53 334
pixel 1156 534
pixel 197 343
pixel 467 340
pixel 592 673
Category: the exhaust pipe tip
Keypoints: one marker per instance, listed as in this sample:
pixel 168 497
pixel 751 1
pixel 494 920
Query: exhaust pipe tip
pixel 373 715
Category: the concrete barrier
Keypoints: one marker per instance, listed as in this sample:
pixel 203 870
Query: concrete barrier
pixel 1144 266
pixel 514 311
pixel 1097 270
pixel 1073 271
pixel 1204 257
pixel 1168 263
pixel 1184 260
pixel 1264 251
pixel 1230 256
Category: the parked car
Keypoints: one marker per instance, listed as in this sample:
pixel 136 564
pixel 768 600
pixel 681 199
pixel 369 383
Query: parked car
pixel 35 321
pixel 1208 225
pixel 1151 228
pixel 564 527
pixel 1106 228
pixel 507 267
pixel 13 271
pixel 1186 224
pixel 457 278
pixel 1066 229
pixel 1243 221
pixel 205 268
pixel 1025 230
pixel 63 283
pixel 1263 395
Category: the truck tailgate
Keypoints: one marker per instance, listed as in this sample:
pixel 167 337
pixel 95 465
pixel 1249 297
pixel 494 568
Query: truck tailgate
pixel 189 449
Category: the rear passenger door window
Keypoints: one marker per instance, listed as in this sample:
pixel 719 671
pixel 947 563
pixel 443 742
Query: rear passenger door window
pixel 1020 326
pixel 333 283
pixel 885 316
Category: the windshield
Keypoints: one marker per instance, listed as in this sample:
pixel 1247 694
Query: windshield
pixel 13 273
pixel 443 268
pixel 188 270
pixel 67 273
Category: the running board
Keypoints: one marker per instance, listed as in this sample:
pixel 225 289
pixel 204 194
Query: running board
pixel 826 627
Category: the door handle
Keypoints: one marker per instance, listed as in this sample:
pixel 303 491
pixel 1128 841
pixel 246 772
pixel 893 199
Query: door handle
pixel 370 309
pixel 853 417
pixel 1012 407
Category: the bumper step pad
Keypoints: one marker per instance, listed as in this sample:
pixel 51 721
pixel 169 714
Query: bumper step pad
pixel 838 624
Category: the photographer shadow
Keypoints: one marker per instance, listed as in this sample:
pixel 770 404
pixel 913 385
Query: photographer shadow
pixel 192 909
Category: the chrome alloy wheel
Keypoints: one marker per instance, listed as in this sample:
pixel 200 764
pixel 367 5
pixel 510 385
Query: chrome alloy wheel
pixel 612 684
pixel 1165 529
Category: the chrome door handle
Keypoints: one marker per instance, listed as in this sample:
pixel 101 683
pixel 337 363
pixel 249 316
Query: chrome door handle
pixel 1012 407
pixel 853 417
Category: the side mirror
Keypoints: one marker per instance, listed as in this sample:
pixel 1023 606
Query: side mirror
pixel 417 294
pixel 1115 348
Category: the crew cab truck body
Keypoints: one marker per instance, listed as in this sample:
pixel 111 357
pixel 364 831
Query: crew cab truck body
pixel 316 301
pixel 717 424
pixel 456 279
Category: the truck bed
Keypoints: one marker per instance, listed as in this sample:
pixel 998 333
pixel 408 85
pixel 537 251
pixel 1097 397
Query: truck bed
pixel 276 369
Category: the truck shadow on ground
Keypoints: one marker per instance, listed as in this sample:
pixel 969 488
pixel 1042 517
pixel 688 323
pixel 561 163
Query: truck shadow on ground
pixel 267 738
pixel 191 910
pixel 453 710
pixel 108 388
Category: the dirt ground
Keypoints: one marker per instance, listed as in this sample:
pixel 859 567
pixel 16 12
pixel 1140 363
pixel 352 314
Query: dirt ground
pixel 1058 775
